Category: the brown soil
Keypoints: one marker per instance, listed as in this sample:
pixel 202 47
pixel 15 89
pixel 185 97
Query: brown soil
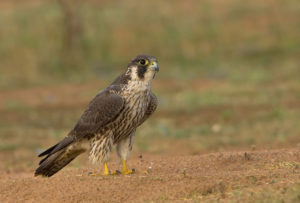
pixel 193 178
pixel 175 178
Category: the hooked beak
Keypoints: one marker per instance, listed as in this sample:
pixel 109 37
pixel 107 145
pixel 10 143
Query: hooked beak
pixel 154 66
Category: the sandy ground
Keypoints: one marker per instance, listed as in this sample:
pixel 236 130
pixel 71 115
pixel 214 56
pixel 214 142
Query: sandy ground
pixel 234 176
pixel 214 176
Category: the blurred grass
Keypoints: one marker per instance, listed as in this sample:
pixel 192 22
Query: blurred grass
pixel 230 40
pixel 229 74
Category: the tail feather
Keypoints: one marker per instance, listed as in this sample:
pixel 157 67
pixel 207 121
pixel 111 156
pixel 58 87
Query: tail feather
pixel 55 162
pixel 59 146
pixel 48 151
pixel 58 156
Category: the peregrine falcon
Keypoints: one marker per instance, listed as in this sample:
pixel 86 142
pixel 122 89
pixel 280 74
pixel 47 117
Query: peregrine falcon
pixel 111 118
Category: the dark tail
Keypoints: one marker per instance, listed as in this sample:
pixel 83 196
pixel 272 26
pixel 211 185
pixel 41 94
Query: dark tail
pixel 57 157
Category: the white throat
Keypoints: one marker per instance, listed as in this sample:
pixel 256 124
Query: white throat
pixel 139 84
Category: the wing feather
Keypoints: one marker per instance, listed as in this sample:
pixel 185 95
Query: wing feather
pixel 103 109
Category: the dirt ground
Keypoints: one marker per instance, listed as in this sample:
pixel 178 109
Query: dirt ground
pixel 169 169
pixel 213 177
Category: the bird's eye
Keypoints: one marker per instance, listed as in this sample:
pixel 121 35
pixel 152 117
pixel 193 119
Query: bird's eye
pixel 143 62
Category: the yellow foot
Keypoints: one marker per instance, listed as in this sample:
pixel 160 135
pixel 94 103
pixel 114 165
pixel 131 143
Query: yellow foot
pixel 103 174
pixel 125 171
pixel 128 171
pixel 93 174
pixel 107 173
pixel 117 172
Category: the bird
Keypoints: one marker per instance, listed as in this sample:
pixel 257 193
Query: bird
pixel 110 119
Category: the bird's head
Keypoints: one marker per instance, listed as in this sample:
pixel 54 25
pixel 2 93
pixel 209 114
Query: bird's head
pixel 143 68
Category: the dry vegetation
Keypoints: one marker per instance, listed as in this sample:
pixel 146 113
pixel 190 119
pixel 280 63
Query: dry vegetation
pixel 229 84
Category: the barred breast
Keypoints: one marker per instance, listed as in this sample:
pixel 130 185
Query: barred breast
pixel 136 103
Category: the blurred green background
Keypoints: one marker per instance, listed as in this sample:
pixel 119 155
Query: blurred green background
pixel 229 74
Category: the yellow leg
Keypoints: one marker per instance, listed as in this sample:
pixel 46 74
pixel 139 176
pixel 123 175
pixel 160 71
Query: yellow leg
pixel 125 171
pixel 106 171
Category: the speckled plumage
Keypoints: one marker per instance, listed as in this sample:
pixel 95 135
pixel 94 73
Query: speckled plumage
pixel 110 119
